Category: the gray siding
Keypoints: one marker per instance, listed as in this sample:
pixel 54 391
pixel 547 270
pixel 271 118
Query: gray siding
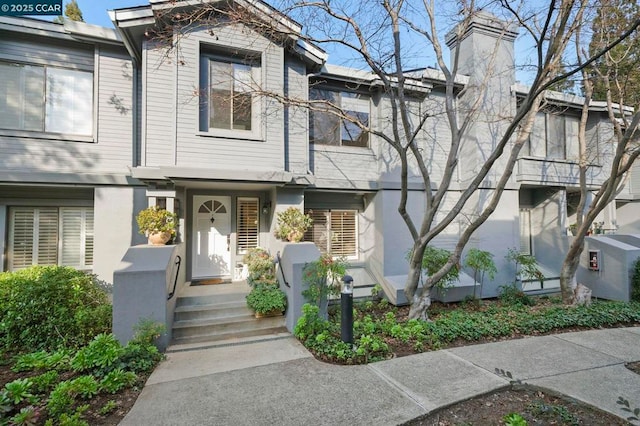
pixel 158 107
pixel 171 99
pixel 109 151
pixel 115 110
pixel 434 139
pixel 21 48
pixel 296 118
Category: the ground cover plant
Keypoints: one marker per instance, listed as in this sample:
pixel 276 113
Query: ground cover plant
pixel 382 331
pixel 70 370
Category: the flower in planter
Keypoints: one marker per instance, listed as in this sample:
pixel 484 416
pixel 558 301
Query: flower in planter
pixel 155 221
pixel 292 224
pixel 266 299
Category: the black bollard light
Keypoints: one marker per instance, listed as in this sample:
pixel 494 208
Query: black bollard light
pixel 346 310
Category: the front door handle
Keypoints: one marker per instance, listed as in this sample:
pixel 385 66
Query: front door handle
pixel 228 242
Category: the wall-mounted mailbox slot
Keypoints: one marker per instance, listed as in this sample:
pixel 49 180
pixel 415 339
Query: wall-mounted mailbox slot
pixel 594 260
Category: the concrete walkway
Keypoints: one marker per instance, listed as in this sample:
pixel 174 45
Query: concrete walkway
pixel 277 382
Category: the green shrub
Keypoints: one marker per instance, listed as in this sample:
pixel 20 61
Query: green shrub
pixel 261 267
pixel 481 262
pixel 265 298
pixel 117 379
pixel 526 266
pixel 514 419
pixel 322 277
pixel 310 324
pixel 99 356
pixel 19 390
pixel 74 419
pixel 139 358
pixel 433 260
pixel 147 331
pixel 49 307
pixel 64 397
pixel 42 360
pixel 6 405
pixel 510 294
pixel 45 382
pixel 27 416
pixel 108 407
pixel 635 282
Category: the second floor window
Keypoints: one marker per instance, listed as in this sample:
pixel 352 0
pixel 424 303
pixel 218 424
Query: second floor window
pixel 335 122
pixel 46 99
pixel 554 136
pixel 229 103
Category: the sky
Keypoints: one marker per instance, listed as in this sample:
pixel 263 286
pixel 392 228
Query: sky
pixel 95 11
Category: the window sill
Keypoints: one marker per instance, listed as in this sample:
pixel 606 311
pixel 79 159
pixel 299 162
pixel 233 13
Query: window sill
pixel 47 136
pixel 342 149
pixel 250 137
pixel 555 160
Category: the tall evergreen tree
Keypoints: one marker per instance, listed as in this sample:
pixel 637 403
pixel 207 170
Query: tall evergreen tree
pixel 622 64
pixel 71 11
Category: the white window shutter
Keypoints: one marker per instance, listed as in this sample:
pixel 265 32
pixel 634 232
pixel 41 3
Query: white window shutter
pixel 344 235
pixel 319 230
pixel 21 233
pixel 47 235
pixel 33 237
pixel 76 242
pixel 248 224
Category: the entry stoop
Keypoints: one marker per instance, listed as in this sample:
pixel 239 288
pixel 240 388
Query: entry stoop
pixel 219 316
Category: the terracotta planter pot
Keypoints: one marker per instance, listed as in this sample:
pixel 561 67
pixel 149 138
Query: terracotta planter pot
pixel 159 238
pixel 295 236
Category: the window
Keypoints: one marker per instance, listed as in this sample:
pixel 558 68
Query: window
pixel 46 99
pixel 230 104
pixel 556 140
pixel 51 236
pixel 248 223
pixel 554 136
pixel 334 231
pixel 327 128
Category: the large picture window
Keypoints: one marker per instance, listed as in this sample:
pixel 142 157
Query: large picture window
pixel 334 231
pixel 230 88
pixel 50 236
pixel 329 128
pixel 46 99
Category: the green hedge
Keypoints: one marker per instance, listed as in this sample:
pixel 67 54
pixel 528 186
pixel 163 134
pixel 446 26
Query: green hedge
pixel 50 307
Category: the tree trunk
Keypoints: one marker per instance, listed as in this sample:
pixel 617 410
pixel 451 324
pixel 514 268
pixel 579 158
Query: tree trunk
pixel 415 271
pixel 570 266
pixel 420 304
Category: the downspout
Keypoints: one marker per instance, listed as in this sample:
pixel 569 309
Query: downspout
pixel 135 134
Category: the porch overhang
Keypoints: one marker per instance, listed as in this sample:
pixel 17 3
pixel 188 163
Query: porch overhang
pixel 191 177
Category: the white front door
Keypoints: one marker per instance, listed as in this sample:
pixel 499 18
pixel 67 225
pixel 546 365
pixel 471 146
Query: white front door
pixel 211 242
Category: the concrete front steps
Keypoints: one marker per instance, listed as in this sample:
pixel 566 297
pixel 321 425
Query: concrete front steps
pixel 216 317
